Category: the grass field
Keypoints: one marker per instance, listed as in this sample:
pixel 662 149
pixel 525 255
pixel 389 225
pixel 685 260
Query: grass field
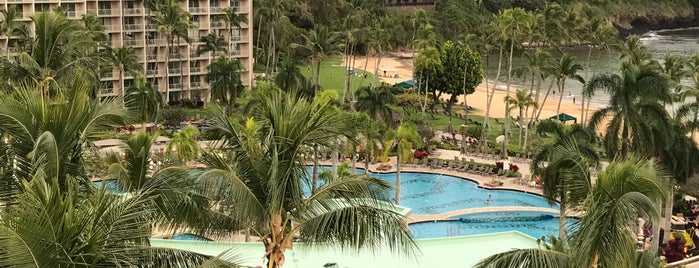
pixel 332 75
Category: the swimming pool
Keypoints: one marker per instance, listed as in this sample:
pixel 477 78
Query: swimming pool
pixel 189 237
pixel 534 224
pixel 427 193
pixel 111 186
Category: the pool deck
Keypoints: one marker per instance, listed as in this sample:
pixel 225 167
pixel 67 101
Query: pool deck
pixel 415 218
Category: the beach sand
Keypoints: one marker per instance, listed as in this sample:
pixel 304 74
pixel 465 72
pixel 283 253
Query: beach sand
pixel 403 67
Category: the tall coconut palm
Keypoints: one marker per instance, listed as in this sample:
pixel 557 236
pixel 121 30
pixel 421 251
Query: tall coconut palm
pixel 53 226
pixel 606 38
pixel 521 101
pixel 212 43
pixel 427 61
pixel 143 100
pixel 623 191
pixel 509 23
pixel 223 75
pixel 375 102
pixel 565 68
pixel 126 61
pixel 10 25
pixel 172 22
pixel 272 11
pixel 233 18
pixel 639 120
pixel 405 138
pixel 289 77
pixel 320 42
pixel 266 181
pixel 564 166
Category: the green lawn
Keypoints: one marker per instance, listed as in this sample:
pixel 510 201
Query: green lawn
pixel 331 75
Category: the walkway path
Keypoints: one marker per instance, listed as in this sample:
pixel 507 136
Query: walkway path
pixel 450 214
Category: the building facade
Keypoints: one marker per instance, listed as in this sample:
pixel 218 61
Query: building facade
pixel 125 21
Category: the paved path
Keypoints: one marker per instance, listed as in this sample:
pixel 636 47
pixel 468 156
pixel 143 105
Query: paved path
pixel 447 215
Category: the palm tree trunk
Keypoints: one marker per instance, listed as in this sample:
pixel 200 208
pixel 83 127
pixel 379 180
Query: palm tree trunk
pixel 334 161
pixel 521 125
pixel 354 162
pixel 582 97
pixel 318 74
pixel 167 71
pixel 562 216
pixel 398 176
pixel 561 86
pixel 121 86
pixel 490 94
pixel 314 180
pixel 509 82
pixel 366 63
pixel 544 101
pixel 625 140
pixel 538 91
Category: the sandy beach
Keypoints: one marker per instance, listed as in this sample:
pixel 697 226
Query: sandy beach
pixel 398 69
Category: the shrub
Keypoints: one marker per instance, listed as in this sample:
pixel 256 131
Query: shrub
pixel 420 154
pixel 174 103
pixel 173 116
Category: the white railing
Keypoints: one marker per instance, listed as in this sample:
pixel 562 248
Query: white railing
pixel 151 72
pixel 216 9
pixel 217 24
pixel 70 14
pixel 132 27
pixel 104 12
pixel 195 69
pixel 197 10
pixel 174 70
pixel 107 91
pixel 175 85
pixel 132 11
pixel 195 84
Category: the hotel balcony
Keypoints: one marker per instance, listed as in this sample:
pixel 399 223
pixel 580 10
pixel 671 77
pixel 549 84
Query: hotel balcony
pixel 195 69
pixel 132 27
pixel 104 12
pixel 217 24
pixel 107 91
pixel 175 86
pixel 151 72
pixel 216 10
pixel 197 10
pixel 132 11
pixel 195 85
pixel 174 70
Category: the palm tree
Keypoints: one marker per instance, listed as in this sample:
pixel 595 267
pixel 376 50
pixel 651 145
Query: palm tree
pixel 212 43
pixel 405 138
pixel 320 42
pixel 172 21
pixel 375 102
pixel 223 75
pixel 605 38
pixel 10 25
pixel 564 165
pixel 639 120
pixel 521 101
pixel 634 53
pixel 510 23
pixel 52 225
pixel 125 60
pixel 143 100
pixel 184 144
pixel 623 191
pixel 266 180
pixel 232 18
pixel 61 48
pixel 566 68
pixel 272 11
pixel 50 132
pixel 289 78
pixel 427 61
pixel 181 199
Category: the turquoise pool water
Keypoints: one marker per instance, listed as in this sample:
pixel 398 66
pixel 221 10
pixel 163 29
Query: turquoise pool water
pixel 428 193
pixel 534 224
pixel 111 186
pixel 189 237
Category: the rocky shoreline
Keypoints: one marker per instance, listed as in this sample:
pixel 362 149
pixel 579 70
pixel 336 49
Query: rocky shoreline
pixel 641 25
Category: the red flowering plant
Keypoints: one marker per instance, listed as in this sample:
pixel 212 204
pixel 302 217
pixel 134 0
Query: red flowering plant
pixel 420 154
pixel 498 164
pixel 514 167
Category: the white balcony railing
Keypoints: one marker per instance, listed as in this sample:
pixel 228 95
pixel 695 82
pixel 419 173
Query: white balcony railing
pixel 15 1
pixel 197 10
pixel 132 11
pixel 216 9
pixel 151 72
pixel 216 24
pixel 104 12
pixel 194 69
pixel 132 27
pixel 107 91
pixel 70 14
pixel 174 70
pixel 175 85
pixel 195 84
